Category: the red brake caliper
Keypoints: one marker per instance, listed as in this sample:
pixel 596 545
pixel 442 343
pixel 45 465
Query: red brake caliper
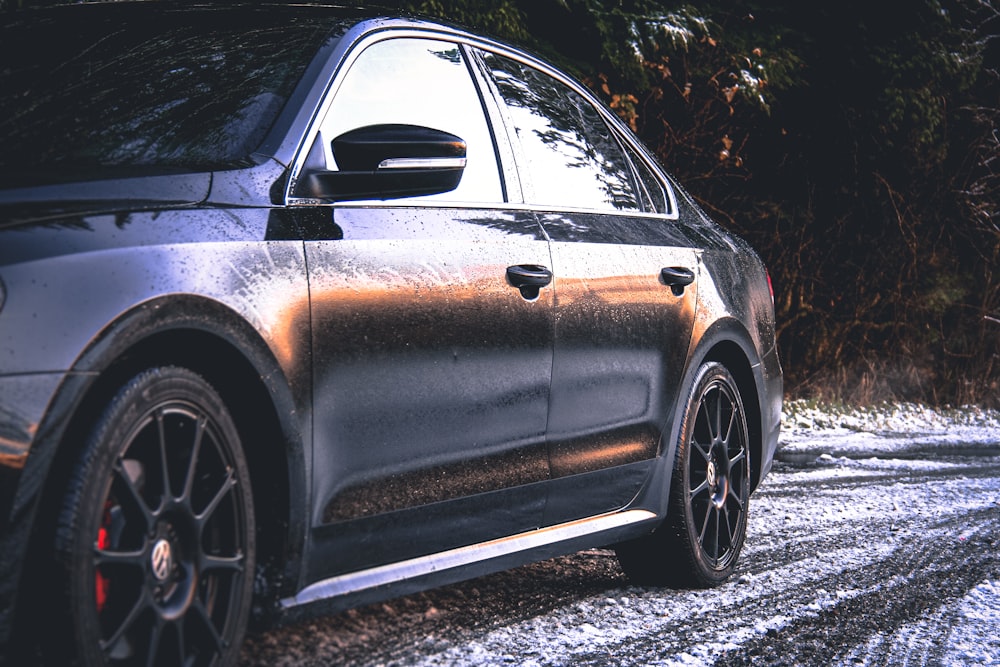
pixel 103 542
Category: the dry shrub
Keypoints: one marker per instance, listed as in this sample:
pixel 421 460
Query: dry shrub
pixel 872 381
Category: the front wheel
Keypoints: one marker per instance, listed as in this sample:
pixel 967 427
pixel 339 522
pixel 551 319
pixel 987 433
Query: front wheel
pixel 700 540
pixel 155 539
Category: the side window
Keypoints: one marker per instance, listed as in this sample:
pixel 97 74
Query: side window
pixel 574 161
pixel 419 82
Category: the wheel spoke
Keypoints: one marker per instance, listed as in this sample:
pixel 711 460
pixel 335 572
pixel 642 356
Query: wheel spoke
pixel 704 525
pixel 156 636
pixel 737 484
pixel 181 641
pixel 740 455
pixel 162 442
pixel 704 449
pixel 715 538
pixel 707 419
pixel 730 528
pixel 224 489
pixel 118 558
pixel 210 563
pixel 717 422
pixel 200 614
pixel 195 451
pixel 123 482
pixel 701 488
pixel 141 604
pixel 732 422
pixel 735 497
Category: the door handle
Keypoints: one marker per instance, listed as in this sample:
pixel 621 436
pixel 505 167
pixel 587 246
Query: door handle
pixel 677 278
pixel 528 275
pixel 529 278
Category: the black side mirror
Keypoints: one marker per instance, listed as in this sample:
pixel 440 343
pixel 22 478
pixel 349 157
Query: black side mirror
pixel 388 162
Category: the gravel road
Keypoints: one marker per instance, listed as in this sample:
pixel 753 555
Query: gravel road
pixel 857 559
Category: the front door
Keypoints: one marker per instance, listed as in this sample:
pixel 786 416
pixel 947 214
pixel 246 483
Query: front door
pixel 431 367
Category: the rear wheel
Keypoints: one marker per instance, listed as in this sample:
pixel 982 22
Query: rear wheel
pixel 700 540
pixel 155 537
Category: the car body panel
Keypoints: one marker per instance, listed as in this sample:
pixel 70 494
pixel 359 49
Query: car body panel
pixel 103 265
pixel 432 420
pixel 432 372
pixel 621 339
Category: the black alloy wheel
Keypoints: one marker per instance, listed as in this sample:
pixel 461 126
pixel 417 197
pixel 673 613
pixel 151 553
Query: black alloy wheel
pixel 699 542
pixel 156 532
pixel 713 476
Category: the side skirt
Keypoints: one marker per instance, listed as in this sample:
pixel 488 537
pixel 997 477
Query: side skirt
pixel 449 566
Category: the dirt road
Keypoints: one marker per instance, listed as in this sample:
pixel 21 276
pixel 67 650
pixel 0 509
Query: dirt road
pixel 849 561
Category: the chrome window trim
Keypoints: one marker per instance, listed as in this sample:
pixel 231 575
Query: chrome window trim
pixel 377 31
pixel 477 206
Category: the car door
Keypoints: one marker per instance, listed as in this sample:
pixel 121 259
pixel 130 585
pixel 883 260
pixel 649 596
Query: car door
pixel 432 362
pixel 625 285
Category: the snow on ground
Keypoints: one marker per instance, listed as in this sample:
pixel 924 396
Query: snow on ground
pixel 976 640
pixel 821 547
pixel 808 430
pixel 829 444
pixel 851 440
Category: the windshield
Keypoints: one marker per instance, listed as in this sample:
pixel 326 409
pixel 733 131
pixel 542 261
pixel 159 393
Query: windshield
pixel 146 84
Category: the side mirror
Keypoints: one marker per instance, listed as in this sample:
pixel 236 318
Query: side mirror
pixel 389 162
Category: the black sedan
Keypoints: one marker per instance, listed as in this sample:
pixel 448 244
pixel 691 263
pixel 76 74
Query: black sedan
pixel 302 308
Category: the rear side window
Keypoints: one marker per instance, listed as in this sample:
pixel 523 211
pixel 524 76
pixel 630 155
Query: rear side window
pixel 573 158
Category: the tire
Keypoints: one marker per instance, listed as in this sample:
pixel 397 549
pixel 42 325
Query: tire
pixel 699 542
pixel 155 537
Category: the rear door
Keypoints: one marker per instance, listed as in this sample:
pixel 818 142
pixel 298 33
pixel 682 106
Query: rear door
pixel 625 287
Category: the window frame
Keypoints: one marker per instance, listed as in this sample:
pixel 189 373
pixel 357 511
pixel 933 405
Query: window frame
pixel 631 147
pixel 510 157
pixel 307 149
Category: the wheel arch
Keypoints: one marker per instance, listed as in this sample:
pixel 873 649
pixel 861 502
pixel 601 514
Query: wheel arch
pixel 732 356
pixel 729 344
pixel 215 342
